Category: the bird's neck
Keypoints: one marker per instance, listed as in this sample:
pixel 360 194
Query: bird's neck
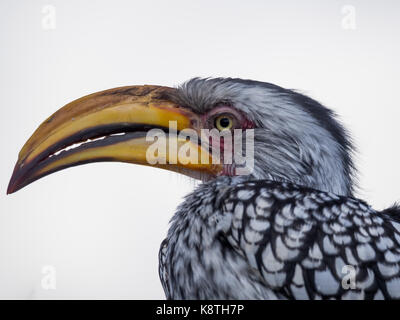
pixel 316 162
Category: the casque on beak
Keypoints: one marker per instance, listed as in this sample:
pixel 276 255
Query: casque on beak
pixel 110 125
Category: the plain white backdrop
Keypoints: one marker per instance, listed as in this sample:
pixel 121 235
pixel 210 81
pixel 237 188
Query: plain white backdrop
pixel 99 226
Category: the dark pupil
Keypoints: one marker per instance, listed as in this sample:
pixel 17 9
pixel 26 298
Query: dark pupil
pixel 224 122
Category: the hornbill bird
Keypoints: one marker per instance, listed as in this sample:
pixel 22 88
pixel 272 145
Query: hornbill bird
pixel 289 229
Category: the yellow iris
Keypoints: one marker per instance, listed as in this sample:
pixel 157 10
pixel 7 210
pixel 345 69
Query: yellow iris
pixel 223 122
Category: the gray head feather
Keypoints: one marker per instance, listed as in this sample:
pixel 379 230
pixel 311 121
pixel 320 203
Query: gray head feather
pixel 296 138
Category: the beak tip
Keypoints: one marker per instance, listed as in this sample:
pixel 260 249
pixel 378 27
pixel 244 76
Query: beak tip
pixel 13 185
pixel 10 190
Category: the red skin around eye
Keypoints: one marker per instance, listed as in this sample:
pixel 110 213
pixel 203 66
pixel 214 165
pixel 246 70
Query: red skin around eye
pixel 248 124
pixel 242 122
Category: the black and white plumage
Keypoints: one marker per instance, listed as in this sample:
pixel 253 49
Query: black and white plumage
pixel 235 238
pixel 262 237
pixel 288 230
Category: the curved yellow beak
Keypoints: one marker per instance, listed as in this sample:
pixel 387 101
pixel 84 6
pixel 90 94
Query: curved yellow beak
pixel 114 125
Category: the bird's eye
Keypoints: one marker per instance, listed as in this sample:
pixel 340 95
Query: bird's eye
pixel 223 122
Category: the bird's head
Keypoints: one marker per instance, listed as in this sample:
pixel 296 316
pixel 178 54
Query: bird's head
pixel 295 137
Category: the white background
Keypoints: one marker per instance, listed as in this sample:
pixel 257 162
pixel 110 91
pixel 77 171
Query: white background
pixel 100 225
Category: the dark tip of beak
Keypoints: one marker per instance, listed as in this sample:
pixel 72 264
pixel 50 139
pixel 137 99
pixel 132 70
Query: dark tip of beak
pixel 12 185
pixel 18 178
pixel 10 189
